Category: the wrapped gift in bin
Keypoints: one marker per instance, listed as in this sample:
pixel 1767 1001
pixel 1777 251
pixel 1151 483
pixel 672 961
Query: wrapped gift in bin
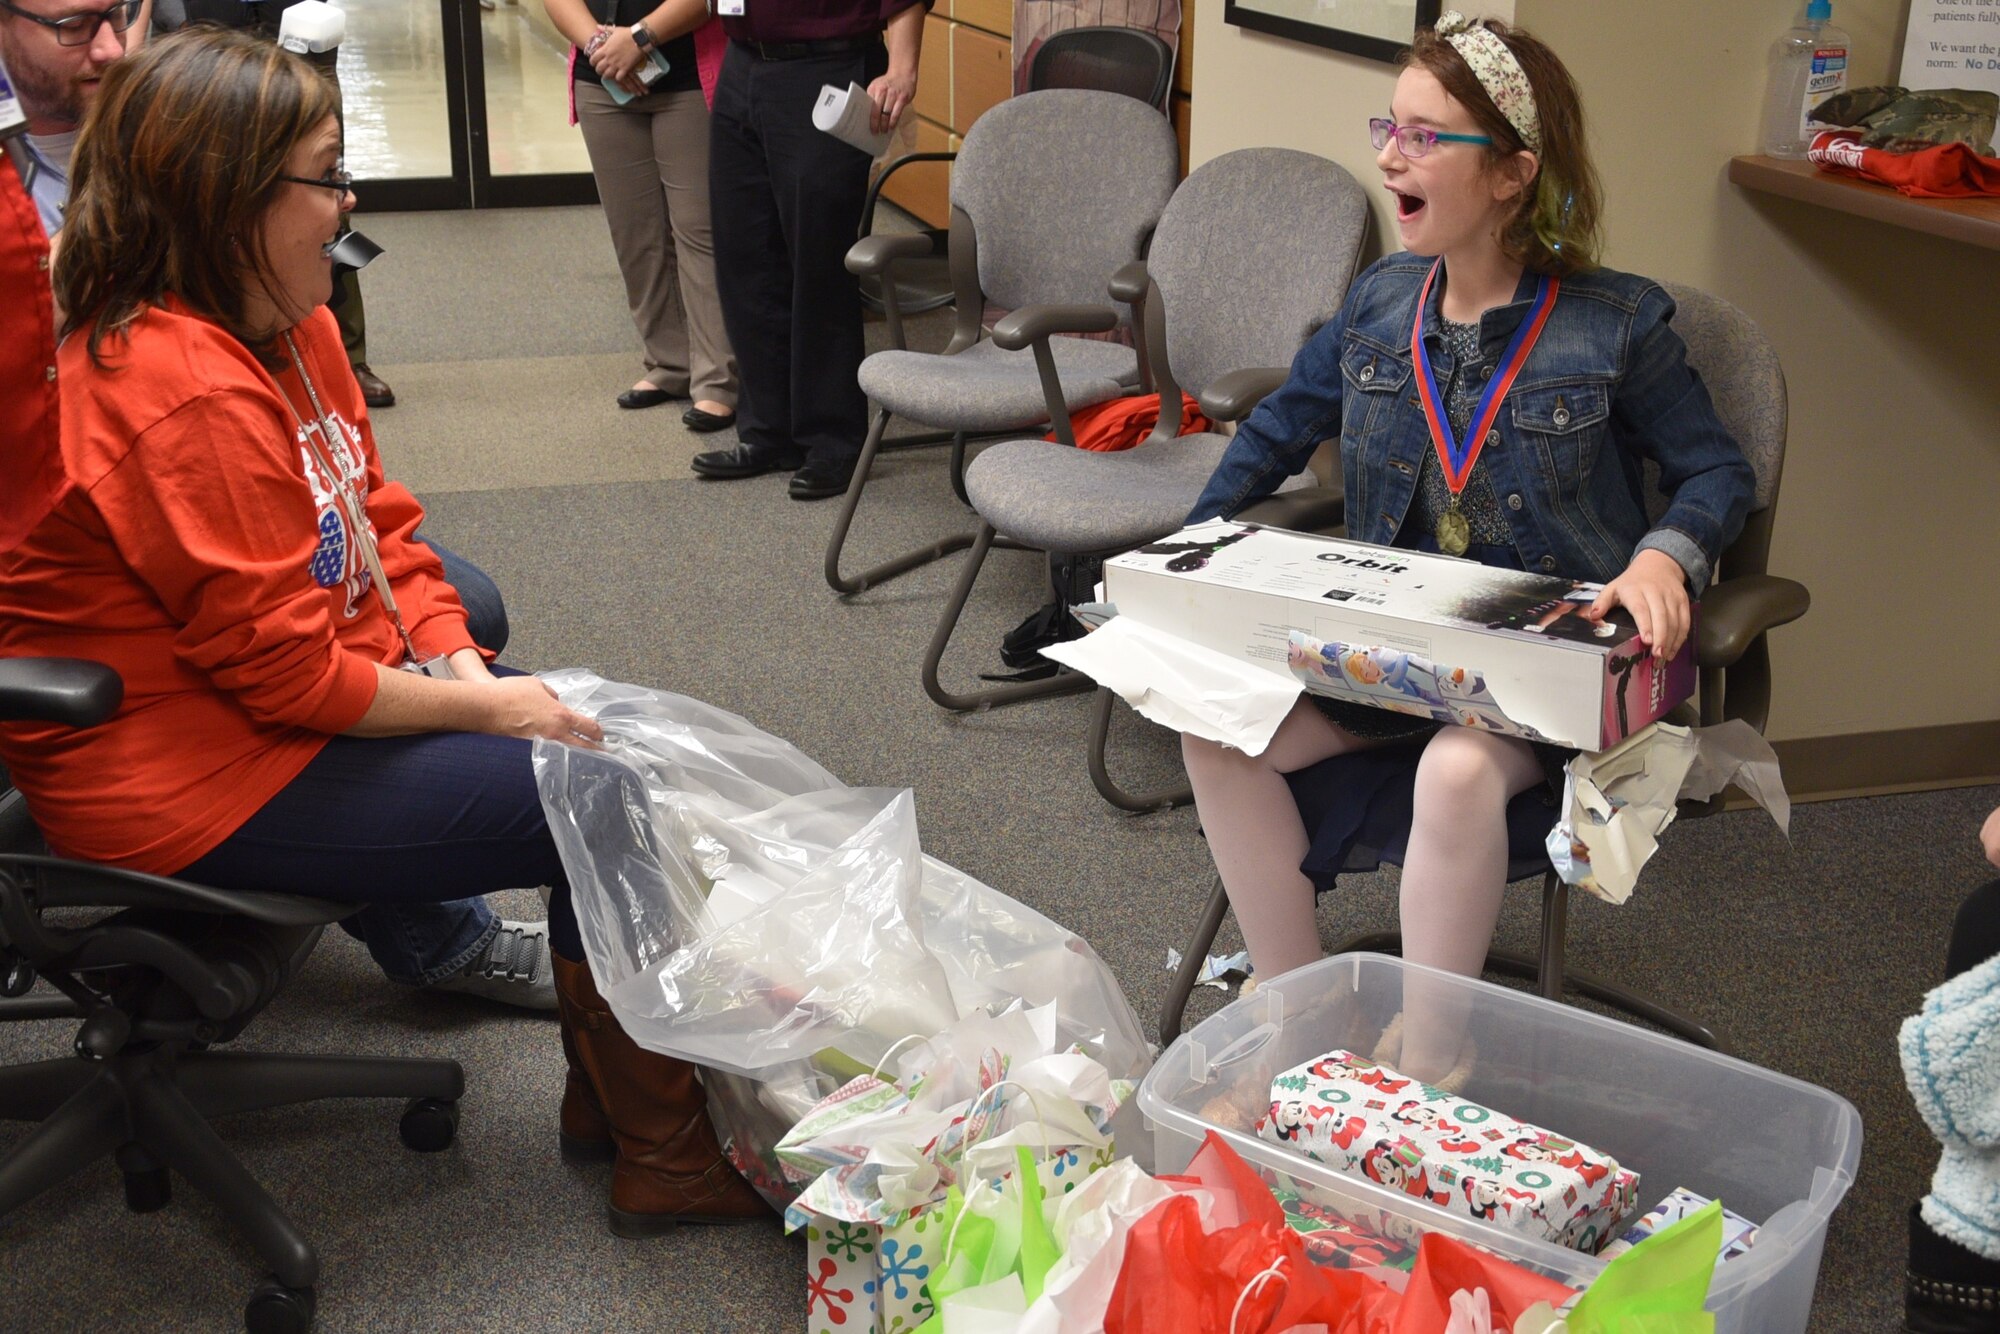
pixel 1365 1119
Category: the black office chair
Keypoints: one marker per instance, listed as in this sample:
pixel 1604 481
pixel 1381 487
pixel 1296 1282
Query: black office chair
pixel 1113 60
pixel 162 972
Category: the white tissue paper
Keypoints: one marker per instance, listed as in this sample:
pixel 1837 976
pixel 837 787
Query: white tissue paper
pixel 1180 684
pixel 1616 803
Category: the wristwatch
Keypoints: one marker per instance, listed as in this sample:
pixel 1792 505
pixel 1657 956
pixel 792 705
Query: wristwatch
pixel 642 37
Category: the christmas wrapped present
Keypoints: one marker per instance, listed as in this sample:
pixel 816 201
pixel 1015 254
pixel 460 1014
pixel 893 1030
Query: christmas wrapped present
pixel 1367 1120
pixel 1737 1232
pixel 1346 1237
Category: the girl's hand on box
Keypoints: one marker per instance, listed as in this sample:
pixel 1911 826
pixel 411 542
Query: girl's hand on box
pixel 1654 589
pixel 1989 837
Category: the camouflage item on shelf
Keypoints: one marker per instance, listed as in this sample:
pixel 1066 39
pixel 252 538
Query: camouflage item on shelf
pixel 1901 121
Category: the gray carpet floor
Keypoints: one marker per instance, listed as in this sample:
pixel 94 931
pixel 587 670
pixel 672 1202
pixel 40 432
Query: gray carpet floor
pixel 506 337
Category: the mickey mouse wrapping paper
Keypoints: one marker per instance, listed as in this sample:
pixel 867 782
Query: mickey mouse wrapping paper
pixel 1367 1120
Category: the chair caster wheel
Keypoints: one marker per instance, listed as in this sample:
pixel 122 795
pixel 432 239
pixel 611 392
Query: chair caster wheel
pixel 148 1191
pixel 429 1124
pixel 277 1309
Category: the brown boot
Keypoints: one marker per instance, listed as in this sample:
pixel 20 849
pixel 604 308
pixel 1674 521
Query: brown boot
pixel 584 1131
pixel 670 1168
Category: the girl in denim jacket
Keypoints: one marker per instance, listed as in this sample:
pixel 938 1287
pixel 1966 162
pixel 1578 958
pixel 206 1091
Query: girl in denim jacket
pixel 1508 422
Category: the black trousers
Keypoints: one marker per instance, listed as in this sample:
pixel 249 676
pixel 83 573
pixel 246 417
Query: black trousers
pixel 786 203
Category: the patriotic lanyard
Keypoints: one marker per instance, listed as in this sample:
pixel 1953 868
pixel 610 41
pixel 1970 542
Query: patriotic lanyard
pixel 1455 456
pixel 353 505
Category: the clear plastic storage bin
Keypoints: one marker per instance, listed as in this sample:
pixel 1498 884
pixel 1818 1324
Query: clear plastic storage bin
pixel 1780 1152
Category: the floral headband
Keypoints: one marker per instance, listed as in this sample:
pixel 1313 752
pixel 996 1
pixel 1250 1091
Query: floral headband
pixel 1498 72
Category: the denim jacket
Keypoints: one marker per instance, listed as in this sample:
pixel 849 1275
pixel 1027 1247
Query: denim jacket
pixel 1606 388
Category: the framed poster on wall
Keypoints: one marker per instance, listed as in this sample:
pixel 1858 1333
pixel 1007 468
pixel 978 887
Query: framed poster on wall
pixel 1378 29
pixel 1952 46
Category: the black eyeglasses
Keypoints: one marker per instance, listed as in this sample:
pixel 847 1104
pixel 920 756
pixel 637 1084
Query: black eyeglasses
pixel 81 29
pixel 339 180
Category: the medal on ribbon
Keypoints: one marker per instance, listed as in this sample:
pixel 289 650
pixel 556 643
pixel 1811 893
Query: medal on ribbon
pixel 1457 457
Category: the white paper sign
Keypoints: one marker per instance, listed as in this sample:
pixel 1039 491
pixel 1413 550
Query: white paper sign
pixel 1952 44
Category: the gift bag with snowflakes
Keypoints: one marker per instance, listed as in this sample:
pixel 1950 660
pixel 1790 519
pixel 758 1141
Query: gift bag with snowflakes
pixel 864 1278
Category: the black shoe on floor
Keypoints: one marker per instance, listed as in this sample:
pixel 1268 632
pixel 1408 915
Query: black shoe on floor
pixel 703 422
pixel 822 478
pixel 1948 1289
pixel 745 461
pixel 649 397
pixel 374 392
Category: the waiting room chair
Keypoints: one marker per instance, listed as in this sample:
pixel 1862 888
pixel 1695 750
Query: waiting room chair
pixel 1742 604
pixel 162 973
pixel 1253 254
pixel 1053 192
pixel 1131 61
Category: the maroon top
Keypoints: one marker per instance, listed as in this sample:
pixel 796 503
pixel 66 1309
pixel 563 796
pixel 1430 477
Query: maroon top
pixel 812 20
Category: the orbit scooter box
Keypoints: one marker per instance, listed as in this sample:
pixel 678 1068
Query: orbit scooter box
pixel 1430 636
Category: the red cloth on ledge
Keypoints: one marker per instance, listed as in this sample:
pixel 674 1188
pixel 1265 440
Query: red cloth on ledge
pixel 1949 171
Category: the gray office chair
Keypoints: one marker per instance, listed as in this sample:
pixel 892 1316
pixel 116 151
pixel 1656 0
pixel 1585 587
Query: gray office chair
pixel 1253 254
pixel 1741 606
pixel 162 973
pixel 1053 192
pixel 1113 60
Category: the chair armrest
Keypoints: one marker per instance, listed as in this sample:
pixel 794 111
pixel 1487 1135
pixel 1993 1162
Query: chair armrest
pixel 1130 282
pixel 1734 612
pixel 874 254
pixel 1230 398
pixel 1310 509
pixel 1020 328
pixel 58 690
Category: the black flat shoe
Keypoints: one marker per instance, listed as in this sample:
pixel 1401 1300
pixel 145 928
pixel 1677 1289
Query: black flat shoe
pixel 1947 1289
pixel 644 398
pixel 703 422
pixel 744 461
pixel 822 478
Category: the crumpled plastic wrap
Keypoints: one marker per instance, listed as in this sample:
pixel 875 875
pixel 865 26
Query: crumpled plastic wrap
pixel 1616 803
pixel 745 910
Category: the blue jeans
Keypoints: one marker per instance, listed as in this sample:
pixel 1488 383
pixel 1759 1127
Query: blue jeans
pixel 415 935
pixel 485 612
pixel 409 825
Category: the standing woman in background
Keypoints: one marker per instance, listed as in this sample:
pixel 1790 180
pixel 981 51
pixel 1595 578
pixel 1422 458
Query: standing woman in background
pixel 650 157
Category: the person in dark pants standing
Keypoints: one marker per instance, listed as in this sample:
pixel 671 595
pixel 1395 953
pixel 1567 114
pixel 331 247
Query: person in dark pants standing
pixel 786 200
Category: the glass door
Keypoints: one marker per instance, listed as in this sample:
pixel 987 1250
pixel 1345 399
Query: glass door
pixel 459 104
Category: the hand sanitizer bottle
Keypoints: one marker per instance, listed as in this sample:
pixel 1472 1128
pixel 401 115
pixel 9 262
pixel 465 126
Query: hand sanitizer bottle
pixel 1808 65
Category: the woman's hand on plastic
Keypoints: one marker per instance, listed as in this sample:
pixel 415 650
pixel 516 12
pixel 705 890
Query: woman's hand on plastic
pixel 618 61
pixel 524 706
pixel 1654 589
pixel 891 95
pixel 1989 837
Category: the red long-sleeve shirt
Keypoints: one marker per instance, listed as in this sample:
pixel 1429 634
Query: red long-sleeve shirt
pixel 30 469
pixel 197 548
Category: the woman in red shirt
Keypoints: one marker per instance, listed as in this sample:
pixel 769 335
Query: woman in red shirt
pixel 303 706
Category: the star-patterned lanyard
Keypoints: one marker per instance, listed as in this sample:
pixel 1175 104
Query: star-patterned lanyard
pixel 351 504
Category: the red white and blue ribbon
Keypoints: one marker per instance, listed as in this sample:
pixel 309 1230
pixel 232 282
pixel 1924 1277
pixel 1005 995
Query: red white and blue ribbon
pixel 1458 456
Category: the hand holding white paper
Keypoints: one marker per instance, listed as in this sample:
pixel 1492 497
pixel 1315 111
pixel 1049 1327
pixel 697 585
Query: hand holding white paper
pixel 1182 685
pixel 847 114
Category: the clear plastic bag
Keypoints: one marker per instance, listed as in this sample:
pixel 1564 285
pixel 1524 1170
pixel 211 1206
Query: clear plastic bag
pixel 745 910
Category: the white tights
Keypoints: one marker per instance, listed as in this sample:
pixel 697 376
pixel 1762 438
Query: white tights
pixel 1453 876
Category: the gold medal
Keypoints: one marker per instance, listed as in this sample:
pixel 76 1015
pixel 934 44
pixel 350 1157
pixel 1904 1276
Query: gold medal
pixel 1454 531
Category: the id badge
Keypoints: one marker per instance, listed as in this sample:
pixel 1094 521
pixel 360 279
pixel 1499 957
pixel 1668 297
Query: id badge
pixel 437 668
pixel 729 9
